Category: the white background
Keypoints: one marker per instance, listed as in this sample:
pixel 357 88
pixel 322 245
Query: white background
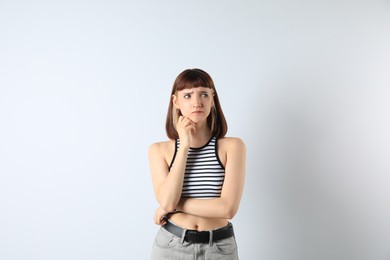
pixel 84 88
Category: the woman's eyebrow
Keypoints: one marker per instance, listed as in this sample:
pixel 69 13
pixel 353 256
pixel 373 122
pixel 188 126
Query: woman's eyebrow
pixel 192 91
pixel 202 90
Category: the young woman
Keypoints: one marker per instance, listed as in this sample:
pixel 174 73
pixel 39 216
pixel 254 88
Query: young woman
pixel 198 175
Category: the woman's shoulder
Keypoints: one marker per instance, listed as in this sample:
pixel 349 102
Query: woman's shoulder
pixel 162 147
pixel 231 141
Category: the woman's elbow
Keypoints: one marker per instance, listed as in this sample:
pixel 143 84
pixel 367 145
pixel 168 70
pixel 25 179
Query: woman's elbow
pixel 168 206
pixel 229 211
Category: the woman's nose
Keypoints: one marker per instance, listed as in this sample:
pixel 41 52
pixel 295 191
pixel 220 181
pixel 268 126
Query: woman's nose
pixel 197 102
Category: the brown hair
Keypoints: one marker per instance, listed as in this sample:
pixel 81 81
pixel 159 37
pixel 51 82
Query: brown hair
pixel 192 78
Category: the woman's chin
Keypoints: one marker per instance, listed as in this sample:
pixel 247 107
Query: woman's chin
pixel 196 119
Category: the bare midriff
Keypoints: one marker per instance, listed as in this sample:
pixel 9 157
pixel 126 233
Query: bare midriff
pixel 192 222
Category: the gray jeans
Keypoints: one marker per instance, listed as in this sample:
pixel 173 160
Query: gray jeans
pixel 168 246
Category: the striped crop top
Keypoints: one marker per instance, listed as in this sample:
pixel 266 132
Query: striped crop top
pixel 204 173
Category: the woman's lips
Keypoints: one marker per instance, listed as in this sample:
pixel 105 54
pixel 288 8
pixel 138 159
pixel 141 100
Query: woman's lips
pixel 197 112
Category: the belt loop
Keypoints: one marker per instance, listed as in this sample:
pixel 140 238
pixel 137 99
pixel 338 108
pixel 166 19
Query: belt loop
pixel 211 238
pixel 183 235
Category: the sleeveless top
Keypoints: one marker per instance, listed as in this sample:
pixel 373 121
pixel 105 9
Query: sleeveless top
pixel 204 172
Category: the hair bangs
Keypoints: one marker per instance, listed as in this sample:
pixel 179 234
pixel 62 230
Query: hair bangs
pixel 192 79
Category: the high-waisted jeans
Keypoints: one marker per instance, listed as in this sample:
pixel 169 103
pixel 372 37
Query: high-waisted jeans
pixel 170 247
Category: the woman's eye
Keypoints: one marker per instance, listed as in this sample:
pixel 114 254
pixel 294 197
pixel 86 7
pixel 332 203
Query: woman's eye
pixel 205 95
pixel 187 96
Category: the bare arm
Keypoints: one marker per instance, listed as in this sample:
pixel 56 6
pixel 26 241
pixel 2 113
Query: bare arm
pixel 167 184
pixel 227 205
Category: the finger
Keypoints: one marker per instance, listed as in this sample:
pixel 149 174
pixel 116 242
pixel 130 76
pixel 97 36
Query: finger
pixel 157 220
pixel 185 121
pixel 191 125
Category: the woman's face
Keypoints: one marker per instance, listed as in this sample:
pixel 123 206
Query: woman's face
pixel 194 103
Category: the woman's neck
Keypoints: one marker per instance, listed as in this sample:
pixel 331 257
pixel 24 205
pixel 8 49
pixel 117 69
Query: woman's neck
pixel 201 136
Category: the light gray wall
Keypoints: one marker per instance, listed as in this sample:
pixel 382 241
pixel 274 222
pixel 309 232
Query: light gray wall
pixel 84 88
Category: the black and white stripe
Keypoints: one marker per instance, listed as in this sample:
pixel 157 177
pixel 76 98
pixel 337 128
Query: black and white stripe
pixel 204 173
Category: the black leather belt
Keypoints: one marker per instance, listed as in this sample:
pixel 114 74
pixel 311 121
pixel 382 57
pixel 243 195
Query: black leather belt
pixel 194 236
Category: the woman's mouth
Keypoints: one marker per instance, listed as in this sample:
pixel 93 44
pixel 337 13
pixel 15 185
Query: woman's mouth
pixel 197 112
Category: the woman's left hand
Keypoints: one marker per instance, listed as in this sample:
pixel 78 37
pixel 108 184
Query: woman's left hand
pixel 159 216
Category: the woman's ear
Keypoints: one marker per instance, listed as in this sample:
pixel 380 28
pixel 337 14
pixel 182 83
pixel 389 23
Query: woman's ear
pixel 174 101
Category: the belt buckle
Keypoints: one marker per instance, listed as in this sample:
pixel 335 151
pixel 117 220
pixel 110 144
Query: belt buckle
pixel 194 236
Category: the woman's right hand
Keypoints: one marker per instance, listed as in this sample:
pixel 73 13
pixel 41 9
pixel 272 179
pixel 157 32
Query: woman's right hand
pixel 160 216
pixel 184 128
